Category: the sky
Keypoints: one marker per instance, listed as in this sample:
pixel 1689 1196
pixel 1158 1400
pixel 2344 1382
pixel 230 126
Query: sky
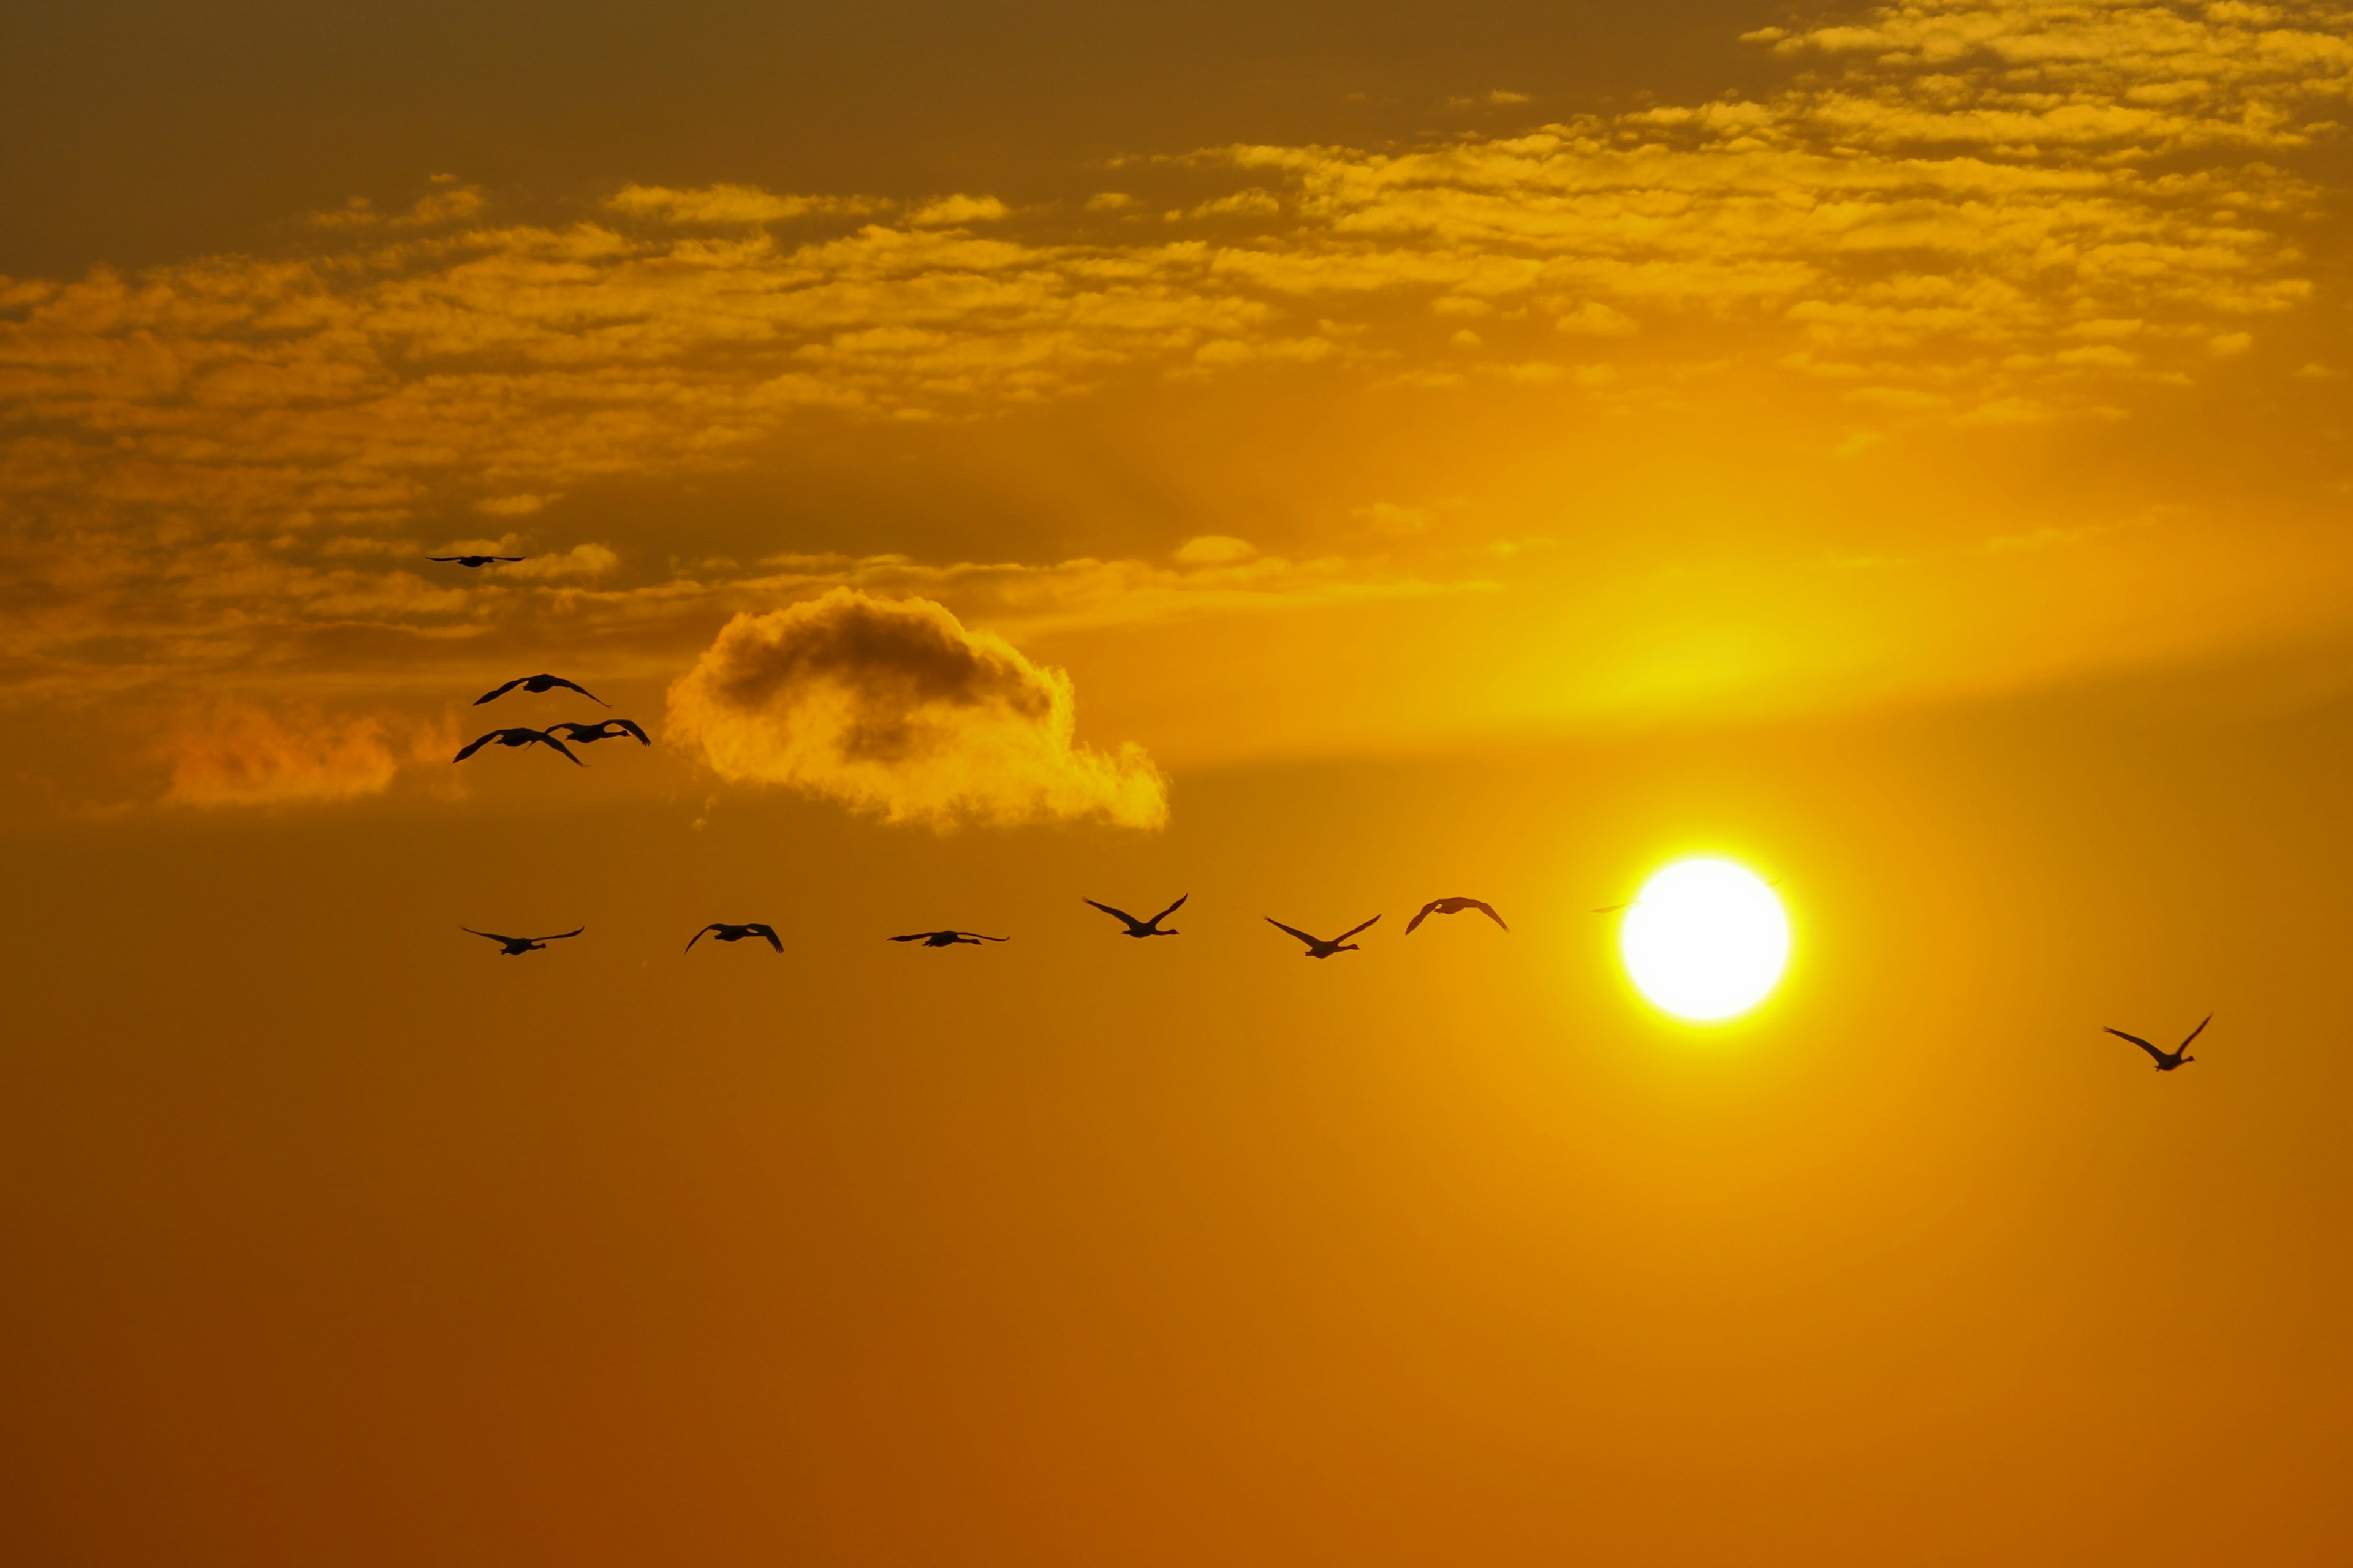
pixel 1313 459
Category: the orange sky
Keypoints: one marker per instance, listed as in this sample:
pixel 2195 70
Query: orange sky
pixel 1314 458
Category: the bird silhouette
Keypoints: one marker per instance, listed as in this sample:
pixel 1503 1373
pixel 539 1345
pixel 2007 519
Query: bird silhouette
pixel 725 932
pixel 2167 1060
pixel 1316 946
pixel 1613 909
pixel 510 946
pixel 610 730
pixel 949 938
pixel 515 738
pixel 473 560
pixel 1141 928
pixel 536 684
pixel 1454 907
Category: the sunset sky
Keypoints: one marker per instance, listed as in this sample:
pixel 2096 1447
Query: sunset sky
pixel 1315 458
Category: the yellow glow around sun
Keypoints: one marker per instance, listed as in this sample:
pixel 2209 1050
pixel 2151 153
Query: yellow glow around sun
pixel 1707 939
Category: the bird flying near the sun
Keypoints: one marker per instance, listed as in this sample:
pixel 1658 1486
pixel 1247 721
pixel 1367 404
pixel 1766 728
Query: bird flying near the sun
pixel 515 738
pixel 610 730
pixel 474 561
pixel 725 932
pixel 2167 1060
pixel 1454 907
pixel 539 683
pixel 1316 946
pixel 1142 928
pixel 510 946
pixel 949 938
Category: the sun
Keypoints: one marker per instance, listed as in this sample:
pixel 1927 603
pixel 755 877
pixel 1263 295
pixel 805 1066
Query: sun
pixel 1707 939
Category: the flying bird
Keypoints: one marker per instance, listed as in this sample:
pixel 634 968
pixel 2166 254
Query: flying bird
pixel 1454 907
pixel 725 932
pixel 2167 1060
pixel 515 738
pixel 610 730
pixel 949 938
pixel 1142 928
pixel 1316 946
pixel 536 684
pixel 510 946
pixel 473 560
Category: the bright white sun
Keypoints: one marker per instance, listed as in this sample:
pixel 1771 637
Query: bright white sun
pixel 1707 939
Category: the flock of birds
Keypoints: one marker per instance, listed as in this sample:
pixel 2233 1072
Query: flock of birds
pixel 555 736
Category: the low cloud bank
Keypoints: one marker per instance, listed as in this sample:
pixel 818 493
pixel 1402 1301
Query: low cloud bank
pixel 234 755
pixel 895 707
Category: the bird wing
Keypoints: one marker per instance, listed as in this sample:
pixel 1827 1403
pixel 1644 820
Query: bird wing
pixel 1488 909
pixel 984 938
pixel 2136 1040
pixel 1169 910
pixel 495 936
pixel 476 744
pixel 698 936
pixel 559 936
pixel 916 936
pixel 632 726
pixel 1310 940
pixel 502 557
pixel 1427 910
pixel 769 932
pixel 445 559
pixel 2196 1032
pixel 501 691
pixel 1116 914
pixel 1347 935
pixel 560 747
pixel 576 686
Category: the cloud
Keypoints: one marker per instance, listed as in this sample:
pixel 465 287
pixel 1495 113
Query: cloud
pixel 895 707
pixel 580 561
pixel 238 754
pixel 730 204
pixel 959 210
pixel 1214 550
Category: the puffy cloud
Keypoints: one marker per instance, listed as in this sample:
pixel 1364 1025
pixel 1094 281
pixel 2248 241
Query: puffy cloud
pixel 959 210
pixel 894 706
pixel 730 204
pixel 238 754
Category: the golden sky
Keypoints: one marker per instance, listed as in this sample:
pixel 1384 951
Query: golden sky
pixel 1315 458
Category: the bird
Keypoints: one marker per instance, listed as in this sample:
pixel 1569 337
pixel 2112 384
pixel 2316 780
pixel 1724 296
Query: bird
pixel 725 932
pixel 1142 928
pixel 510 946
pixel 1613 909
pixel 2165 1060
pixel 949 938
pixel 1454 907
pixel 536 684
pixel 1316 946
pixel 515 738
pixel 474 561
pixel 610 730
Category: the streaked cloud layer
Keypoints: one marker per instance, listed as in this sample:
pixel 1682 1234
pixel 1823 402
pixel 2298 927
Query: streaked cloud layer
pixel 1952 216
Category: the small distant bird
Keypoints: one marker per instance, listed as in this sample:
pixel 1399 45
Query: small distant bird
pixel 1142 928
pixel 1316 946
pixel 1613 909
pixel 950 938
pixel 473 561
pixel 1454 907
pixel 509 946
pixel 610 730
pixel 725 932
pixel 515 738
pixel 535 684
pixel 2167 1060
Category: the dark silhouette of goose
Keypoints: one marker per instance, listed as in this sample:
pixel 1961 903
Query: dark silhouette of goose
pixel 536 684
pixel 610 730
pixel 1316 946
pixel 515 738
pixel 949 938
pixel 1454 907
pixel 510 946
pixel 725 932
pixel 1141 928
pixel 2167 1060
pixel 473 560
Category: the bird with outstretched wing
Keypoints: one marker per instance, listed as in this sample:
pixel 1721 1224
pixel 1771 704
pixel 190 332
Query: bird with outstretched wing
pixel 1454 907
pixel 536 684
pixel 1141 928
